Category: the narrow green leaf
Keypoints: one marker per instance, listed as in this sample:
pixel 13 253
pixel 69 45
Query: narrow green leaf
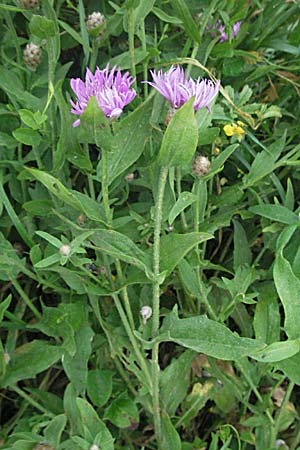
pixel 207 336
pixel 184 200
pixel 29 360
pixel 53 259
pixel 162 15
pixel 56 187
pixel 242 253
pixel 120 246
pixel 277 213
pixel 4 305
pixel 181 137
pixel 93 426
pixel 267 317
pixel 183 12
pixel 131 135
pixel 288 288
pixel 277 351
pixel 76 366
pixel 49 238
pixel 170 437
pixel 175 380
pixel 54 430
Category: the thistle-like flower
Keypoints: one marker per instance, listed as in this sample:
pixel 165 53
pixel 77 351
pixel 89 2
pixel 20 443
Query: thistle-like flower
pixel 110 88
pixel 177 88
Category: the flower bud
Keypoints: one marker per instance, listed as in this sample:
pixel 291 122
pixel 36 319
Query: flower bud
pixel 32 55
pixel 129 176
pixel 95 24
pixel 65 250
pixel 6 357
pixel 146 313
pixel 94 447
pixel 201 166
pixel 29 4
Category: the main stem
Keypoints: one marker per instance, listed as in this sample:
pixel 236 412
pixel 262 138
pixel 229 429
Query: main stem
pixel 155 305
pixel 104 187
pixel 127 321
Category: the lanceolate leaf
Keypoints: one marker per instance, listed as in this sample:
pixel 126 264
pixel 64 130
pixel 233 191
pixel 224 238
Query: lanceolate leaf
pixel 209 337
pixel 120 246
pixel 131 135
pixel 181 137
pixel 288 287
pixel 29 360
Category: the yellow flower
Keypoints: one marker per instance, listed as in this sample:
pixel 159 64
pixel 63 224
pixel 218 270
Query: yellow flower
pixel 235 130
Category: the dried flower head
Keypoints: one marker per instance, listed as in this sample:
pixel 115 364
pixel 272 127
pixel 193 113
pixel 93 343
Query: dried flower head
pixel 29 4
pixel 95 23
pixel 201 166
pixel 32 55
pixel 146 313
pixel 110 88
pixel 177 88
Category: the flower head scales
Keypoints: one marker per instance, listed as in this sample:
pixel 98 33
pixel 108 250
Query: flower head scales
pixel 110 88
pixel 177 88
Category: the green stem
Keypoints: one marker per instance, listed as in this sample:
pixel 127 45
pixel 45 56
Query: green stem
pixel 105 196
pixel 131 43
pixel 104 187
pixel 156 298
pixel 125 294
pixel 14 218
pixel 178 187
pixel 31 400
pixel 26 299
pixel 114 354
pixel 145 64
pixel 280 413
pixel 94 54
pixel 133 341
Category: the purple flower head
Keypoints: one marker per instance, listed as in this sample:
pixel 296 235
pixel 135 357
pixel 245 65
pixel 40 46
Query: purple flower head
pixel 177 88
pixel 110 88
pixel 221 30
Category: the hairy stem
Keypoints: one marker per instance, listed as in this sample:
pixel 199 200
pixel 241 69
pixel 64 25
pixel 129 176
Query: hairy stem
pixel 156 297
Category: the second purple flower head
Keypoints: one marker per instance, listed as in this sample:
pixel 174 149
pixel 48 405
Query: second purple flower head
pixel 177 88
pixel 110 88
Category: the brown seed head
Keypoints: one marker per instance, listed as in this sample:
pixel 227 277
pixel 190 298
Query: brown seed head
pixel 32 55
pixel 201 166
